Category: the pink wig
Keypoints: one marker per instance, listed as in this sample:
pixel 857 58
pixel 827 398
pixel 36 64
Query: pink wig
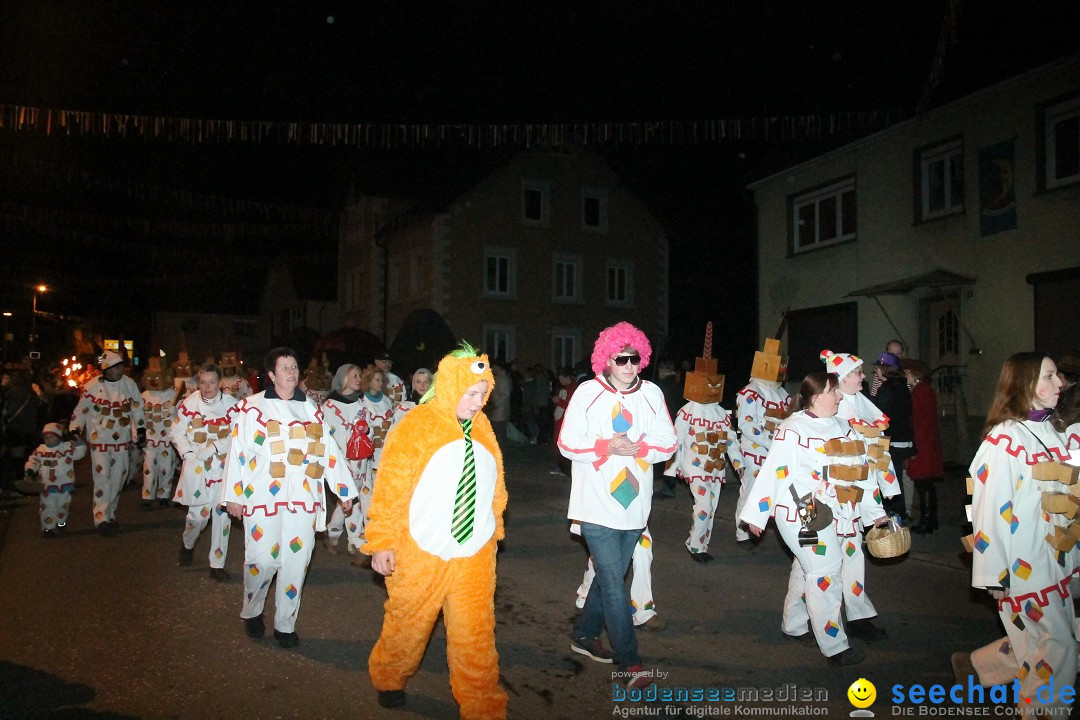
pixel 613 339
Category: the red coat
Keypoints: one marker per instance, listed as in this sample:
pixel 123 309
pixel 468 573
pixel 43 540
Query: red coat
pixel 924 419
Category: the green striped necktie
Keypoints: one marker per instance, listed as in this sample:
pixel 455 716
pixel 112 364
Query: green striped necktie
pixel 465 499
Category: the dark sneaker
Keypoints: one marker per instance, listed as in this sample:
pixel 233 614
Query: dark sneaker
pixel 49 534
pixel 254 627
pixel 219 574
pixel 186 556
pixel 592 648
pixel 701 557
pixel 851 656
pixel 655 624
pixel 146 505
pixel 866 630
pixel 391 698
pixel 638 677
pixel 164 502
pixel 286 639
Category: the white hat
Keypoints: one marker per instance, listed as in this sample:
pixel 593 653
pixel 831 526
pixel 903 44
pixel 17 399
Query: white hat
pixel 108 359
pixel 55 428
pixel 839 363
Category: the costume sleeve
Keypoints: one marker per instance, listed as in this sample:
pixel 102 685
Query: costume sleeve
pixel 734 452
pixel 80 413
pixel 178 432
pixel 994 473
pixel 684 438
pixel 575 440
pixel 78 450
pixel 138 417
pixel 659 442
pixel 33 463
pixel 767 487
pixel 236 474
pixel 399 471
pixel 498 504
pixel 750 414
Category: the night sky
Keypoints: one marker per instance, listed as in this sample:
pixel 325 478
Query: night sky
pixel 412 62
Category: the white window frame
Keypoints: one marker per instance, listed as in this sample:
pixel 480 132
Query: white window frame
pixel 497 254
pixel 562 264
pixel 562 337
pixel 601 196
pixel 500 339
pixel 835 191
pixel 943 153
pixel 544 188
pixel 612 298
pixel 1055 114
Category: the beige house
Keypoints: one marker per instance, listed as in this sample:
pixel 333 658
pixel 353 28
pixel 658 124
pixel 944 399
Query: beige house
pixel 532 262
pixel 957 232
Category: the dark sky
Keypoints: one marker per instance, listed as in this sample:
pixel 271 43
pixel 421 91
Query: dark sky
pixel 467 62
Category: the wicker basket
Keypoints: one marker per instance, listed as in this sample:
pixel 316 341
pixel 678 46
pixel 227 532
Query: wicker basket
pixel 884 543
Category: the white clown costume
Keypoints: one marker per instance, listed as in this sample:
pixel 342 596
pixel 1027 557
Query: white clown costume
pixel 202 434
pixel 109 415
pixel 343 417
pixel 807 457
pixel 279 460
pixel 380 417
pixel 159 460
pixel 54 469
pixel 760 407
pixel 1024 489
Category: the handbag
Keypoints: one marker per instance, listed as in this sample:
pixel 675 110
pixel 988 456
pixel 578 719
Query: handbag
pixel 359 446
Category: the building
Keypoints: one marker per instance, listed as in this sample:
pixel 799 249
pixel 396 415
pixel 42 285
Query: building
pixel 957 232
pixel 531 262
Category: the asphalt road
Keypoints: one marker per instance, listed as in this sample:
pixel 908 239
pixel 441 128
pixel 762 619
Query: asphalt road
pixel 113 628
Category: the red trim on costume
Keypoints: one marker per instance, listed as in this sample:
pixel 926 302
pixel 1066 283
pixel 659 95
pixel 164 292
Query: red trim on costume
pixel 1027 459
pixel 1041 597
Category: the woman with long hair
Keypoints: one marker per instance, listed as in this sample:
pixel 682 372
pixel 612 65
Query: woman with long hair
pixel 1024 552
pixel 810 484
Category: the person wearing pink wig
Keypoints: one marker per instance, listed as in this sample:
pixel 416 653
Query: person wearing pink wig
pixel 615 427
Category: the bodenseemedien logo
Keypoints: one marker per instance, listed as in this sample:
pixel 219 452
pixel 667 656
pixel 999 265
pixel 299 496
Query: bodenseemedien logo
pixel 862 694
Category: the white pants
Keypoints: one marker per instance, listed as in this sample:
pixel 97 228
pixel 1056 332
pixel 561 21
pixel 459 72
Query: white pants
pixel 110 468
pixel 220 525
pixel 1040 645
pixel 352 524
pixel 159 464
pixel 277 545
pixel 706 492
pixel 857 605
pixel 53 509
pixel 641 597
pixel 752 468
pixel 819 593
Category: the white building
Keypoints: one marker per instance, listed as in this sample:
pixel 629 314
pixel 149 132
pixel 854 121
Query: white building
pixel 957 232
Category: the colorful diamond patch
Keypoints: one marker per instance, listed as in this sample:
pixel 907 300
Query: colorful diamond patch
pixel 625 488
pixel 981 542
pixel 781 472
pixel 296 545
pixel 849 548
pixel 764 504
pixel 621 418
pixel 275 551
pixel 821 549
pixel 291 592
pixel 982 473
pixel 1033 611
pixel 1022 569
pixel 856 588
pixel 260 437
pixel 275 488
pixel 256 533
pixel 832 629
pixel 823 583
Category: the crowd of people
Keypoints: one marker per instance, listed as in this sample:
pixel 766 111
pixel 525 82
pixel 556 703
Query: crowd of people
pixel 412 476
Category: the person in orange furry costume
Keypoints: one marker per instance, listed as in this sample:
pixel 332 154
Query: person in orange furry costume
pixel 433 534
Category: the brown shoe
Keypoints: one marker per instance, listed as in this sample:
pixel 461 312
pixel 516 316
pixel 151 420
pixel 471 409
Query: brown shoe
pixel 331 545
pixel 962 668
pixel 654 624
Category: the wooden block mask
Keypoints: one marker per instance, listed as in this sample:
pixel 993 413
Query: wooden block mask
pixel 768 364
pixel 704 385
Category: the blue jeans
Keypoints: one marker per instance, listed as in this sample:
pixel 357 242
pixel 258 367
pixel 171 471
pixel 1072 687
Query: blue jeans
pixel 608 603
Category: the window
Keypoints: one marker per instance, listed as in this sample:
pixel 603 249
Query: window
pixel 1061 140
pixel 594 207
pixel 939 171
pixel 948 334
pixel 500 342
pixel 824 216
pixel 499 273
pixel 564 347
pixel 566 283
pixel 244 327
pixel 620 282
pixel 535 201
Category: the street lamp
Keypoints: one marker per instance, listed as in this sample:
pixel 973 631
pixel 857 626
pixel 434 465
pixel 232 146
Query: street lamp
pixel 33 317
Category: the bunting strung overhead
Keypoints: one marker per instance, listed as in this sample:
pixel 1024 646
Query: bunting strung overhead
pixel 81 123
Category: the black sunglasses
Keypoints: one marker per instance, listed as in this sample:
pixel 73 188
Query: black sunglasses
pixel 621 360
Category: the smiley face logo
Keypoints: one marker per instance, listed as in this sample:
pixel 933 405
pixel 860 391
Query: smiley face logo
pixel 862 693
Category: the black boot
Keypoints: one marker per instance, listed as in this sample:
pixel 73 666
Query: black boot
pixel 920 493
pixel 931 508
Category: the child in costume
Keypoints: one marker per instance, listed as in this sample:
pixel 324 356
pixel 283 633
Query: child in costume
pixel 435 519
pixel 159 461
pixel 202 436
pixel 1024 485
pixel 109 415
pixel 810 485
pixel 52 465
pixel 760 407
pixel 705 436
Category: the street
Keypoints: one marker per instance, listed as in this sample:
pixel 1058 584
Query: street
pixel 113 628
